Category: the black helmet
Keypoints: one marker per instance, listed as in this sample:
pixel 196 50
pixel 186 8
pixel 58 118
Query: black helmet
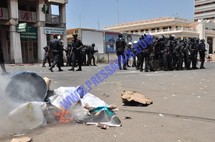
pixel 120 35
pixel 202 40
pixel 93 44
pixel 75 35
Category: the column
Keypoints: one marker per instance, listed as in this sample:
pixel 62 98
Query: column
pixel 42 39
pixel 201 29
pixel 62 12
pixel 213 47
pixel 15 43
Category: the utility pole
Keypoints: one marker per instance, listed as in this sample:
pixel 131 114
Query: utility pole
pixel 80 21
pixel 117 4
pixel 98 24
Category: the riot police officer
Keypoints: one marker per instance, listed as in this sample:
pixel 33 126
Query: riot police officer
pixel 46 55
pixel 76 52
pixel 57 49
pixel 93 51
pixel 120 49
pixel 202 50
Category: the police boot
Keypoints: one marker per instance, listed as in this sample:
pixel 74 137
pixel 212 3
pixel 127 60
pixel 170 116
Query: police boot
pixel 202 66
pixel 79 69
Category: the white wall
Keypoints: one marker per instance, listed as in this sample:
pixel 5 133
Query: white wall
pixel 88 37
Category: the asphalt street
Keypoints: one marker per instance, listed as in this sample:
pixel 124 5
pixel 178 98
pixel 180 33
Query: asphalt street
pixel 183 107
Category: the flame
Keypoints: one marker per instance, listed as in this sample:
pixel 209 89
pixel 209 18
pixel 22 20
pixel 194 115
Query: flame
pixel 63 116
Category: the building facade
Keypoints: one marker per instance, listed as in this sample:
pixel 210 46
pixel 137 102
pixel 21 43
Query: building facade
pixel 203 29
pixel 27 25
pixel 204 9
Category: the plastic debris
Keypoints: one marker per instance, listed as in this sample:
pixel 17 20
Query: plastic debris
pixel 27 116
pixel 161 115
pixel 127 117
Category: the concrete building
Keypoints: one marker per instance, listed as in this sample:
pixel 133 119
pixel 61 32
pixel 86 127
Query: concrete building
pixel 171 26
pixel 27 25
pixel 204 9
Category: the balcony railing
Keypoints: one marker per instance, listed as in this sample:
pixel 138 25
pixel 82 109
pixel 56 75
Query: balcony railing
pixel 52 19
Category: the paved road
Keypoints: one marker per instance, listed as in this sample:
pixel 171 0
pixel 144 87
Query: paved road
pixel 183 107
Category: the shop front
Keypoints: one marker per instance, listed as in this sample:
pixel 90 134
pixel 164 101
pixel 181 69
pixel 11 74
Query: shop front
pixel 29 45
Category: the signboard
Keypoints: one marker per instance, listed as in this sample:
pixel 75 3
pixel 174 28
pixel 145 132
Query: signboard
pixel 50 30
pixel 30 34
pixel 110 42
pixel 89 36
pixel 27 16
pixel 22 27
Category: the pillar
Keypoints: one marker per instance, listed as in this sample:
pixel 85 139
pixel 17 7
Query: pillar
pixel 15 43
pixel 42 39
pixel 62 12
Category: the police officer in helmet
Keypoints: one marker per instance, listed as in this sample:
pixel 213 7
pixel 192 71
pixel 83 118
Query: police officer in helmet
pixel 77 46
pixel 120 48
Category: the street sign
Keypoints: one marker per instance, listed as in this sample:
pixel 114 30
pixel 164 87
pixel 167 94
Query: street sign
pixel 59 31
pixel 22 27
pixel 30 34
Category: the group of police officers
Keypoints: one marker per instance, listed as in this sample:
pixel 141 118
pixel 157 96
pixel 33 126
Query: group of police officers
pixel 164 53
pixel 75 52
pixel 156 53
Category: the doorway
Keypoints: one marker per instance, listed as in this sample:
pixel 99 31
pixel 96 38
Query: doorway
pixel 29 51
pixel 210 42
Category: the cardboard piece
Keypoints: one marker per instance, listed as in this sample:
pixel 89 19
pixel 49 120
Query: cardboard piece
pixel 130 97
pixel 22 139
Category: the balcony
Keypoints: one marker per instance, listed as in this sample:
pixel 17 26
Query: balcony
pixel 52 19
pixel 4 14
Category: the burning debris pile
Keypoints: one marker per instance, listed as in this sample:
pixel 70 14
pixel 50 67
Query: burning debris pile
pixel 28 105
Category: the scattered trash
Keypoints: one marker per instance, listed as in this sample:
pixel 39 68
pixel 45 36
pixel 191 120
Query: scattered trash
pixel 22 139
pixel 102 126
pixel 134 98
pixel 104 94
pixel 33 104
pixel 86 108
pixel 127 117
pixel 161 83
pixel 18 135
pixel 161 115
